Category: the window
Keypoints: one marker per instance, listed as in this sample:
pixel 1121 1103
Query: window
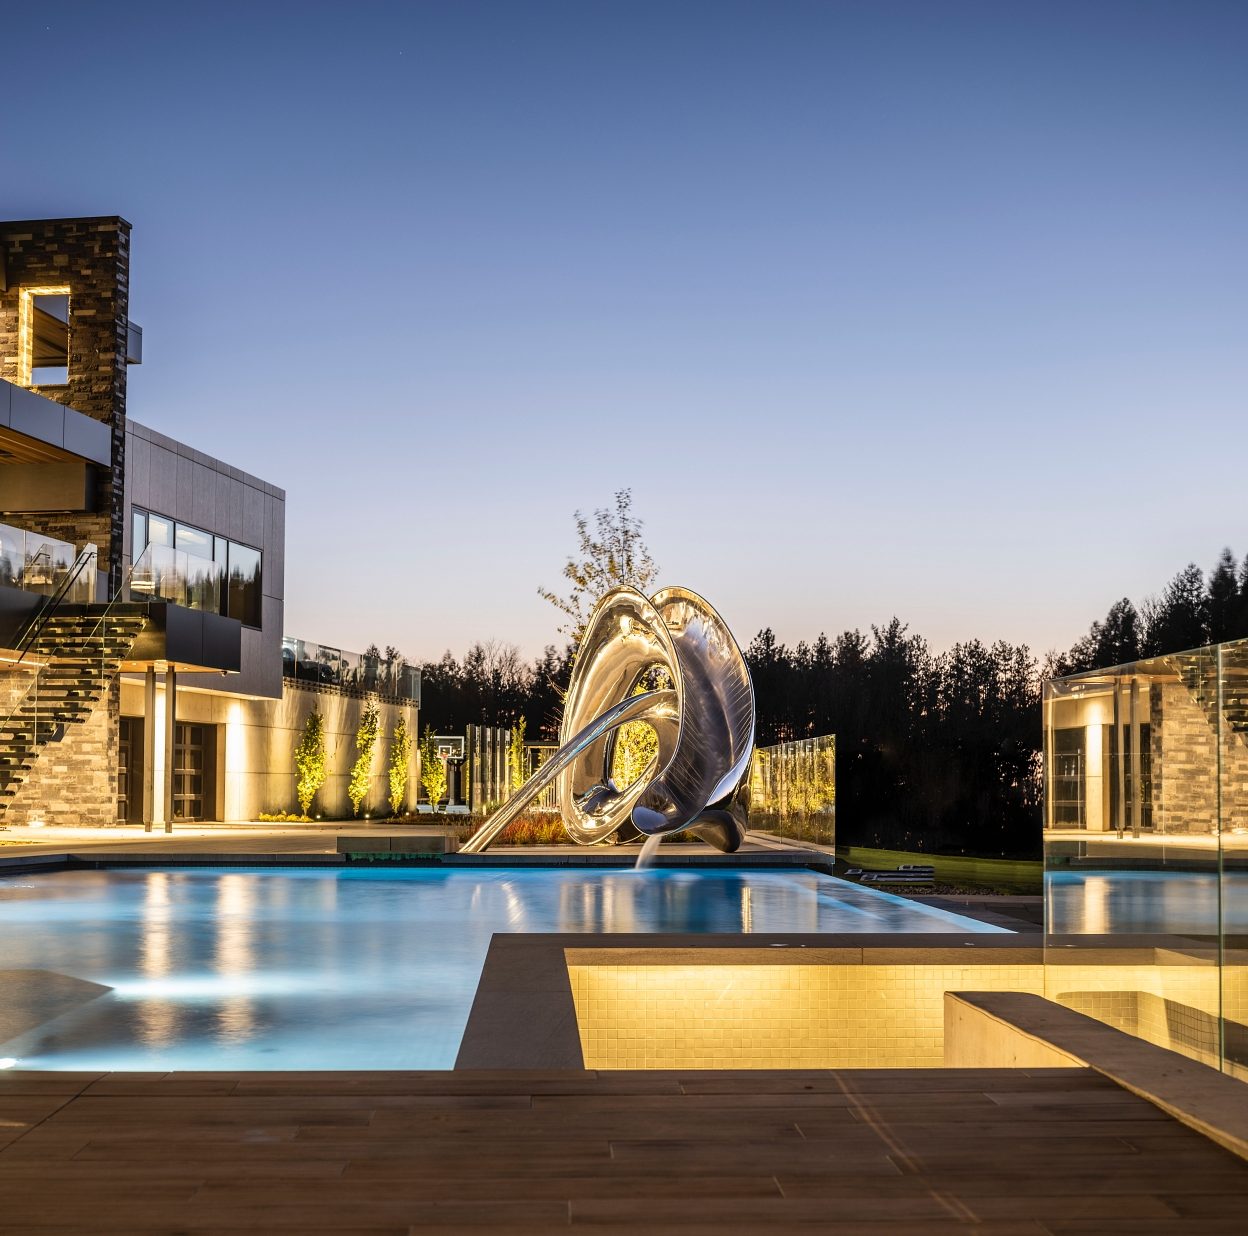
pixel 193 541
pixel 243 585
pixel 138 534
pixel 1067 787
pixel 43 336
pixel 191 567
pixel 159 530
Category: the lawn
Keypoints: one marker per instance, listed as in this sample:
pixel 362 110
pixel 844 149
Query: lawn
pixel 1023 877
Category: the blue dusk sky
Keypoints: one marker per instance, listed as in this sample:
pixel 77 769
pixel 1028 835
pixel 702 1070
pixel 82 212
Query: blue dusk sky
pixel 933 309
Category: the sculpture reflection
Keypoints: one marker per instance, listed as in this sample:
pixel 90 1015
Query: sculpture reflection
pixel 704 723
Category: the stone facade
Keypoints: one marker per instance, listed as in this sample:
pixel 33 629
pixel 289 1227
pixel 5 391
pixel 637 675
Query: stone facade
pixel 92 258
pixel 74 781
pixel 1186 764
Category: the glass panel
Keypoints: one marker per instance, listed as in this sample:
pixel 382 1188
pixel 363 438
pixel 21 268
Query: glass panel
pixel 793 790
pixel 1131 848
pixel 352 669
pixel 1233 704
pixel 159 530
pixel 194 541
pixel 138 533
pixel 329 662
pixel 244 584
pixel 12 555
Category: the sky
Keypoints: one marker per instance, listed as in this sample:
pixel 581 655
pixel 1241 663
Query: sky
pixel 936 309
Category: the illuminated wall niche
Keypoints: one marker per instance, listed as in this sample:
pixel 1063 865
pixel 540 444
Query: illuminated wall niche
pixel 43 336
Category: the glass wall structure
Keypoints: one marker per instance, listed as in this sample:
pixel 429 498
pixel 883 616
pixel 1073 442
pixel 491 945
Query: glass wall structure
pixel 793 790
pixel 1146 849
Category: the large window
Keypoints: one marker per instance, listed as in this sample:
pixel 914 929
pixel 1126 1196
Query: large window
pixel 189 566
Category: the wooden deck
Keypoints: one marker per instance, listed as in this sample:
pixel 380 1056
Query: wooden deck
pixel 367 1154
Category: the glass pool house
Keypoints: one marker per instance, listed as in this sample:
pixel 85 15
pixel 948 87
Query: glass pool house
pixel 1146 849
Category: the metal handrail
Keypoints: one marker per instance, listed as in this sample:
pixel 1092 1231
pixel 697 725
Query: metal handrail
pixel 7 721
pixel 53 601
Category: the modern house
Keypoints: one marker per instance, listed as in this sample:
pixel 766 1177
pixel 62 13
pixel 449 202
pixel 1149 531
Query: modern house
pixel 143 672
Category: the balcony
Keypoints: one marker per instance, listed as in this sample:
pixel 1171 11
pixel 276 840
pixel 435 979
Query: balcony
pixel 35 562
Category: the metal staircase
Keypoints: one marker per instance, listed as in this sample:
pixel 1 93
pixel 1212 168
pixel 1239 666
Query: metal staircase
pixel 67 658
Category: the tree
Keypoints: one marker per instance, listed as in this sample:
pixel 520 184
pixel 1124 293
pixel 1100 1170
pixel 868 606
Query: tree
pixel 613 553
pixel 400 758
pixel 1179 618
pixel 365 741
pixel 1222 601
pixel 310 761
pixel 432 769
pixel 515 756
pixel 1116 641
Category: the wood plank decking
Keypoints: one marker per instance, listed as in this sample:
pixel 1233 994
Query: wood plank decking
pixel 366 1154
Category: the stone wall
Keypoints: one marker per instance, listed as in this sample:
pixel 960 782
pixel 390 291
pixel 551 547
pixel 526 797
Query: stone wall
pixel 74 781
pixel 92 258
pixel 1185 765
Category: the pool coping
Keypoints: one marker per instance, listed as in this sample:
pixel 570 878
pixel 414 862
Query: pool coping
pixel 1197 1095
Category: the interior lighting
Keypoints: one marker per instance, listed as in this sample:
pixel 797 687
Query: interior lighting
pixel 26 329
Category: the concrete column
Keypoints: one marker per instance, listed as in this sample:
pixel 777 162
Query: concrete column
pixel 1136 769
pixel 148 789
pixel 171 711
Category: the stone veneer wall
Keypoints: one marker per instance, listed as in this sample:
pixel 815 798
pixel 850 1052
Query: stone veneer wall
pixel 1185 765
pixel 92 258
pixel 74 781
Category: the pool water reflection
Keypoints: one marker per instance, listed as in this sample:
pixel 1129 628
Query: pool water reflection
pixel 216 968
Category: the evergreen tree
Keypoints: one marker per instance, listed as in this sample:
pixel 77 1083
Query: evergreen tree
pixel 1223 601
pixel 311 763
pixel 400 758
pixel 365 741
pixel 1178 619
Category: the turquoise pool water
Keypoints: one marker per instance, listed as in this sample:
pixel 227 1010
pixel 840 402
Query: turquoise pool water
pixel 1176 903
pixel 313 968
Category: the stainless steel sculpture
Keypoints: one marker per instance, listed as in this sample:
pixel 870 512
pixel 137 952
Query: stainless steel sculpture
pixel 704 721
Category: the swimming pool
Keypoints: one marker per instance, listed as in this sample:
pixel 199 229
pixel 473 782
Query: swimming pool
pixel 355 968
pixel 1178 903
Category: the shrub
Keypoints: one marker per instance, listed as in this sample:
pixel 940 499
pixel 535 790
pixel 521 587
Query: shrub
pixel 400 757
pixel 310 761
pixel 432 769
pixel 365 741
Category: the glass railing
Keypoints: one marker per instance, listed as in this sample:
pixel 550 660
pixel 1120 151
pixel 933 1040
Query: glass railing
pixel 63 671
pixel 39 563
pixel 167 574
pixel 1146 849
pixel 305 661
